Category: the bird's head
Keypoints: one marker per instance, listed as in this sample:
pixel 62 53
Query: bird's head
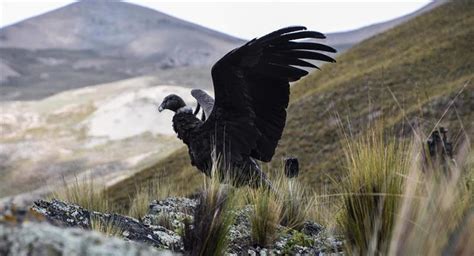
pixel 172 102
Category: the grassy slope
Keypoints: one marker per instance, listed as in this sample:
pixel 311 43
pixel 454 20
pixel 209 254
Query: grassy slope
pixel 424 62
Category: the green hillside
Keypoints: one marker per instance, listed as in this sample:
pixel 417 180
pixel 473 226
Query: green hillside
pixel 424 62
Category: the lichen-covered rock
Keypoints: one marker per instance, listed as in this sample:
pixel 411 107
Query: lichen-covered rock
pixel 43 239
pixel 170 213
pixel 69 215
pixel 162 228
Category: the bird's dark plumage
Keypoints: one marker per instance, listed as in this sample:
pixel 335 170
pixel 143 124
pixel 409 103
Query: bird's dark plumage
pixel 251 87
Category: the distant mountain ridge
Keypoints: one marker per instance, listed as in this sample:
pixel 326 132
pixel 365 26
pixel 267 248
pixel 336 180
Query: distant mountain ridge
pixel 101 41
pixel 104 26
pixel 92 42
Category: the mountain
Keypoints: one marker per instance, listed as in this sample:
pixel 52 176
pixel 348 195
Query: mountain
pixel 99 41
pixel 92 42
pixel 426 63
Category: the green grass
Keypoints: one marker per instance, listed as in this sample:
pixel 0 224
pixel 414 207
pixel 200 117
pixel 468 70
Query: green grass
pixel 372 191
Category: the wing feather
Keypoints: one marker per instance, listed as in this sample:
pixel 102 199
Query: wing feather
pixel 251 87
pixel 205 100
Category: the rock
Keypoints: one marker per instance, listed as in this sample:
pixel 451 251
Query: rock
pixel 68 215
pixel 170 213
pixel 163 225
pixel 38 239
pixel 311 229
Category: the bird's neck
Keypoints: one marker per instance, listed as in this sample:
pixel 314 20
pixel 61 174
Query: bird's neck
pixel 184 123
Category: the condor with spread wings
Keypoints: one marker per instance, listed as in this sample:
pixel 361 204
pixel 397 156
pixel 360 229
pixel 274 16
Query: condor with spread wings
pixel 251 86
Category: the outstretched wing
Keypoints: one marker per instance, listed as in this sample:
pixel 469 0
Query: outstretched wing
pixel 205 100
pixel 251 86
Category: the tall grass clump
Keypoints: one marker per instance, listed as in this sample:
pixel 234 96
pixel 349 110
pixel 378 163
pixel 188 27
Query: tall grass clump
pixel 84 192
pixel 397 201
pixel 371 193
pixel 265 216
pixel 296 202
pixel 436 212
pixel 144 194
pixel 212 218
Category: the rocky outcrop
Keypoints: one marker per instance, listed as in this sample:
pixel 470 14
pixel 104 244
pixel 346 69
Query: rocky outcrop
pixel 68 215
pixel 64 229
pixel 38 239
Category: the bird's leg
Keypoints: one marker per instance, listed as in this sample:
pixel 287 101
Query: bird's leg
pixel 259 178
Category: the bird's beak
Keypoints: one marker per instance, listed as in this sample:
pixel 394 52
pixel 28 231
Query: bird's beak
pixel 160 108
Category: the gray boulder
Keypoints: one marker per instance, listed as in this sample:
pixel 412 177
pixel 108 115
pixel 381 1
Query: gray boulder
pixel 43 239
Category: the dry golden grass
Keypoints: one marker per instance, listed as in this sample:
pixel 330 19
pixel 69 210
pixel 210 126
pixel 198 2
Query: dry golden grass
pixel 434 207
pixel 372 191
pixel 393 203
pixel 155 189
pixel 84 192
pixel 108 228
pixel 265 216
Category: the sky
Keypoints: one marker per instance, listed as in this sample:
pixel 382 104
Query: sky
pixel 247 19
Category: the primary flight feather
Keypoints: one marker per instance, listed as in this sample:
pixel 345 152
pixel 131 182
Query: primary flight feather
pixel 247 117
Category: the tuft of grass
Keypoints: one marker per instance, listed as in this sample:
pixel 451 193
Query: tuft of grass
pixel 83 192
pixel 295 200
pixel 436 208
pixel 371 193
pixel 265 217
pixel 107 227
pixel 395 203
pixel 147 192
pixel 213 217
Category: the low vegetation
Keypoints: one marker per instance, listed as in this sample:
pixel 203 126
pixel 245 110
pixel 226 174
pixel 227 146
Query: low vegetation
pixel 106 227
pixel 213 217
pixel 297 203
pixel 395 202
pixel 155 189
pixel 393 195
pixel 372 191
pixel 265 216
pixel 83 191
